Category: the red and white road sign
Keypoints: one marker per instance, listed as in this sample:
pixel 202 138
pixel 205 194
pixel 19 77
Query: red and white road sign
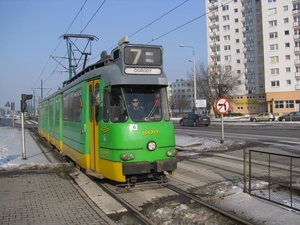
pixel 222 105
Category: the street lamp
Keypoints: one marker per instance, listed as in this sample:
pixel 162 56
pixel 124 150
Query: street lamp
pixel 194 61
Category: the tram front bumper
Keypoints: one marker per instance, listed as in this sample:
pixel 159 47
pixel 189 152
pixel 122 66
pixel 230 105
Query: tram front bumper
pixel 146 167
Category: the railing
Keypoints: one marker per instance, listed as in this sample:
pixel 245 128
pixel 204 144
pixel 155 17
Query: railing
pixel 273 177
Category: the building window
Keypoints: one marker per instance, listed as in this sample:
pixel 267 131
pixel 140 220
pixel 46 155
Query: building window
pixel 288 82
pixel 227 57
pixel 226 37
pixel 226 17
pixel 225 7
pixel 236 10
pixel 273 35
pixel 273 47
pixel 238 71
pixel 286 20
pixel 285 8
pixel 288 69
pixel 287 45
pixel 237 40
pixel 275 83
pixel 227 47
pixel 226 27
pixel 286 32
pixel 273 23
pixel 272 11
pixel 274 71
pixel 228 68
pixel 271 1
pixel 237 51
pixel 274 59
pixel 288 57
pixel 236 20
pixel 238 61
pixel 284 104
pixel 236 30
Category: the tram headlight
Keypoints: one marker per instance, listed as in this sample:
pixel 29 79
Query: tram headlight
pixel 132 156
pixel 172 153
pixel 151 145
pixel 126 157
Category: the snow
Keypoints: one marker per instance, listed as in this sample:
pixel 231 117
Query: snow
pixel 237 201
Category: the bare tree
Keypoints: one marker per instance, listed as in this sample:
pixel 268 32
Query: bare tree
pixel 180 101
pixel 208 79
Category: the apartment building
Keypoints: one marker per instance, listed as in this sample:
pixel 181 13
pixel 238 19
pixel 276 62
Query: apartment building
pixel 260 40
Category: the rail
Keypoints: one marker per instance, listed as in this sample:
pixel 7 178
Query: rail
pixel 276 178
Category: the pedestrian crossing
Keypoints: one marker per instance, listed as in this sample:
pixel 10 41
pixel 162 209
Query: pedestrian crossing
pixel 31 122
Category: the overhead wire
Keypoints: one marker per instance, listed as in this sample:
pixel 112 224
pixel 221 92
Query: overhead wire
pixel 152 39
pixel 58 45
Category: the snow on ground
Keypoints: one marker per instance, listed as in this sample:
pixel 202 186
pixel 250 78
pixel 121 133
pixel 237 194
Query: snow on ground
pixel 239 202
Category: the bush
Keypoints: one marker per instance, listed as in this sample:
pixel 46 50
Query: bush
pixel 233 114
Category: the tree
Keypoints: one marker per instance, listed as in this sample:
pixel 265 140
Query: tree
pixel 180 102
pixel 209 79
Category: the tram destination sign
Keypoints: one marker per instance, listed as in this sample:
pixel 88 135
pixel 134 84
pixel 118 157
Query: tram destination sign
pixel 143 56
pixel 147 71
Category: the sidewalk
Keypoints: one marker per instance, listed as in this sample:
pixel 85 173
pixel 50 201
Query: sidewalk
pixel 32 192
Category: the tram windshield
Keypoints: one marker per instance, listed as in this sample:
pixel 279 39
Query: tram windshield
pixel 139 103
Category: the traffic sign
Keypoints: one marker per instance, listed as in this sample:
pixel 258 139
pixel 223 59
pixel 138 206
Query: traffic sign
pixel 222 105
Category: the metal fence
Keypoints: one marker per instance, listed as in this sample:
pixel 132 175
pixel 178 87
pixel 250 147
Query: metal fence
pixel 274 177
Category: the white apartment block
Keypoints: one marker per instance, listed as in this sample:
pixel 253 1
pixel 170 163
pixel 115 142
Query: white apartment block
pixel 260 41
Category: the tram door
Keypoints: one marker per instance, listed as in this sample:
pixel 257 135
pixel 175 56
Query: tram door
pixel 94 96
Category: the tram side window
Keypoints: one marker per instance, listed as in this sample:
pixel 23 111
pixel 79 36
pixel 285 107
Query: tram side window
pixel 66 104
pixel 105 106
pixel 57 107
pixel 117 109
pixel 77 105
pixel 72 106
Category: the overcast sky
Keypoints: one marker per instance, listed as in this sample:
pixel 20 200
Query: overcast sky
pixel 30 32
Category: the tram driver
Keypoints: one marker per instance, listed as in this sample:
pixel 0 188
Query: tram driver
pixel 137 112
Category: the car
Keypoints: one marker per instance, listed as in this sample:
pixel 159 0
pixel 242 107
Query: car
pixel 264 116
pixel 192 119
pixel 292 116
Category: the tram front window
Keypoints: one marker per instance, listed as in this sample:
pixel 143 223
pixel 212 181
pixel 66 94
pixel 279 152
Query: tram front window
pixel 145 103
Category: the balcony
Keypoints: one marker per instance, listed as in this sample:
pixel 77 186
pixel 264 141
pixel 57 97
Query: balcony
pixel 212 6
pixel 247 18
pixel 213 24
pixel 212 15
pixel 296 12
pixel 247 39
pixel 248 49
pixel 214 34
pixel 246 60
pixel 297 50
pixel 246 8
pixel 214 54
pixel 297 62
pixel 296 37
pixel 296 24
pixel 297 86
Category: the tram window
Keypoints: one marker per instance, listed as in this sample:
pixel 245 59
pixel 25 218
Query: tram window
pixel 117 109
pixel 57 107
pixel 77 105
pixel 106 106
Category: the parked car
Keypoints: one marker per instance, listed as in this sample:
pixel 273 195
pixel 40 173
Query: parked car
pixel 264 116
pixel 193 119
pixel 293 116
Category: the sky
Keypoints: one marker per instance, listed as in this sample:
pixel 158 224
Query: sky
pixel 31 46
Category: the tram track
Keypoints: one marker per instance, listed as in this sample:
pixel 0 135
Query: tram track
pixel 138 212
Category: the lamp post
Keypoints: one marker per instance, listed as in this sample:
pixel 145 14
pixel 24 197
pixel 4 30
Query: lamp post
pixel 194 61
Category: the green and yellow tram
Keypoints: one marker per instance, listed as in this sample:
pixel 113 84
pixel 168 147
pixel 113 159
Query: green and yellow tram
pixel 93 118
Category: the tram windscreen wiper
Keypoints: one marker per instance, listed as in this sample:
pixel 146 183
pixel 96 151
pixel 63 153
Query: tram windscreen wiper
pixel 152 110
